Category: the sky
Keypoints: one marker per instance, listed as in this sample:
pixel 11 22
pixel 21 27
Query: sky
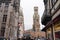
pixel 28 11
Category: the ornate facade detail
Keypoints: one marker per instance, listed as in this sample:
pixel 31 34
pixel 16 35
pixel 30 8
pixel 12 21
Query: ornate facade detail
pixel 9 10
pixel 36 25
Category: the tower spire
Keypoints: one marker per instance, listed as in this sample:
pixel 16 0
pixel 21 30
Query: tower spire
pixel 36 25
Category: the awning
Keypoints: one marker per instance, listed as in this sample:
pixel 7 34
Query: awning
pixel 45 18
pixel 51 22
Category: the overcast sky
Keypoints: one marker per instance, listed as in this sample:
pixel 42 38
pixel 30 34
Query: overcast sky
pixel 28 11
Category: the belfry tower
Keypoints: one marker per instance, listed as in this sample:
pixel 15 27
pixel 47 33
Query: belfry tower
pixel 36 24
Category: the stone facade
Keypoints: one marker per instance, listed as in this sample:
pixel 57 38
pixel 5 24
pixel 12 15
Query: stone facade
pixel 36 24
pixel 21 24
pixel 9 10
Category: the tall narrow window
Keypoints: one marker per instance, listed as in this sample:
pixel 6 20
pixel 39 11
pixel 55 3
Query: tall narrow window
pixel 6 6
pixel 4 18
pixel 33 28
pixel 0 5
pixel 3 29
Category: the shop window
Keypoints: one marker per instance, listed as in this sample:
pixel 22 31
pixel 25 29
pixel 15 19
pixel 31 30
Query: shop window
pixel 57 35
pixel 57 31
pixel 49 36
pixel 0 8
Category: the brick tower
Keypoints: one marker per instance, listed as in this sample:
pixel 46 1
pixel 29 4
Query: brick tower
pixel 36 25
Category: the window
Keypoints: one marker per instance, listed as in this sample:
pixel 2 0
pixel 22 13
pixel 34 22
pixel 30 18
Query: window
pixel 6 6
pixel 6 3
pixel 3 29
pixel 49 35
pixel 0 3
pixel 57 31
pixel 33 28
pixel 4 18
pixel 57 35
